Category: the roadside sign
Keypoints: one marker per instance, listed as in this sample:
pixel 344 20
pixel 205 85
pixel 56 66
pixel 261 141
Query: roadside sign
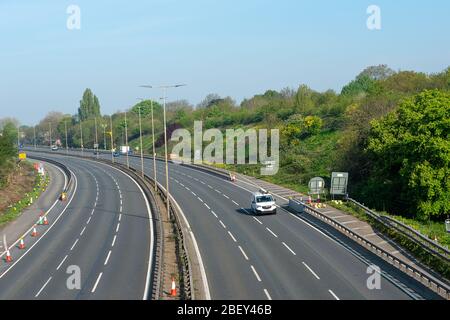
pixel 316 186
pixel 95 145
pixel 339 181
pixel 22 156
pixel 447 225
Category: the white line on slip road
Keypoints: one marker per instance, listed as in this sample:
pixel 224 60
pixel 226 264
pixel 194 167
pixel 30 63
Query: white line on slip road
pixel 210 187
pixel 215 215
pixel 257 220
pixel 199 199
pixel 272 232
pixel 187 188
pixel 207 206
pixel 267 294
pixel 194 194
pixel 96 282
pixel 226 196
pixel 118 226
pixel 74 244
pixel 114 241
pixel 243 253
pixel 232 237
pixel 224 226
pixel 311 270
pixel 92 212
pixel 256 273
pixel 59 266
pixel 107 258
pixel 82 231
pixel 217 191
pixel 89 220
pixel 121 208
pixel 287 247
pixel 120 217
pixel 181 184
pixel 236 203
pixel 335 296
pixel 45 284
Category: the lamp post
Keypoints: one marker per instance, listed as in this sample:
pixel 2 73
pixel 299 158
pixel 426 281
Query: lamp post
pixel 96 137
pixel 51 140
pixel 34 134
pixel 164 88
pixel 112 139
pixel 104 135
pixel 126 140
pixel 67 145
pixel 140 138
pixel 81 137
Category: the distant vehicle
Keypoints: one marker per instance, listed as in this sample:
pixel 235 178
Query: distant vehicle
pixel 54 148
pixel 263 203
pixel 116 154
pixel 96 152
pixel 125 149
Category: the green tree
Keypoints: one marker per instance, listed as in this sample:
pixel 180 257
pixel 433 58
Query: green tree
pixel 410 148
pixel 89 106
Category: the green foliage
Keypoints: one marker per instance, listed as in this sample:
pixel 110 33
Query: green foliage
pixel 410 148
pixel 89 106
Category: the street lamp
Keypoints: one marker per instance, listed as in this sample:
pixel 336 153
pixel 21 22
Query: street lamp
pixel 140 138
pixel 126 140
pixel 96 137
pixel 112 139
pixel 104 135
pixel 81 137
pixel 67 145
pixel 164 88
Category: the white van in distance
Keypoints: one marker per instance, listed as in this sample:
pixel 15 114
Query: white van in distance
pixel 263 203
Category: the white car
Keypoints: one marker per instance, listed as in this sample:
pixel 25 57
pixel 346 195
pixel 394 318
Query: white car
pixel 54 148
pixel 263 203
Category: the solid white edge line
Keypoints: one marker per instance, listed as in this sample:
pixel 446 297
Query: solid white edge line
pixel 46 231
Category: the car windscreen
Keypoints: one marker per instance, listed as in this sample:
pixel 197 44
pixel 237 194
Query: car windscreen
pixel 264 199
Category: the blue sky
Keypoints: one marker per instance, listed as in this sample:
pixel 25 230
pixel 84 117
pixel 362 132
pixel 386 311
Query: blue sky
pixel 230 47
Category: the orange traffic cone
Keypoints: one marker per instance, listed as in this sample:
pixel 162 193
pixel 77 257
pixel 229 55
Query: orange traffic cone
pixel 8 256
pixel 173 292
pixel 21 244
pixel 45 221
pixel 34 233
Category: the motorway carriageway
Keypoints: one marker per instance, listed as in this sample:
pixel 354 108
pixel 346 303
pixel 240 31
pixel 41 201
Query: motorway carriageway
pixel 271 257
pixel 103 229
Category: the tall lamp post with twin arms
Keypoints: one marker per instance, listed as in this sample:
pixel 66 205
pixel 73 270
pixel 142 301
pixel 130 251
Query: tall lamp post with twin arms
pixel 165 88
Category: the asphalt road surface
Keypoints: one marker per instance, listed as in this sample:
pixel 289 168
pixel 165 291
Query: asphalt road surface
pixel 103 231
pixel 271 257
